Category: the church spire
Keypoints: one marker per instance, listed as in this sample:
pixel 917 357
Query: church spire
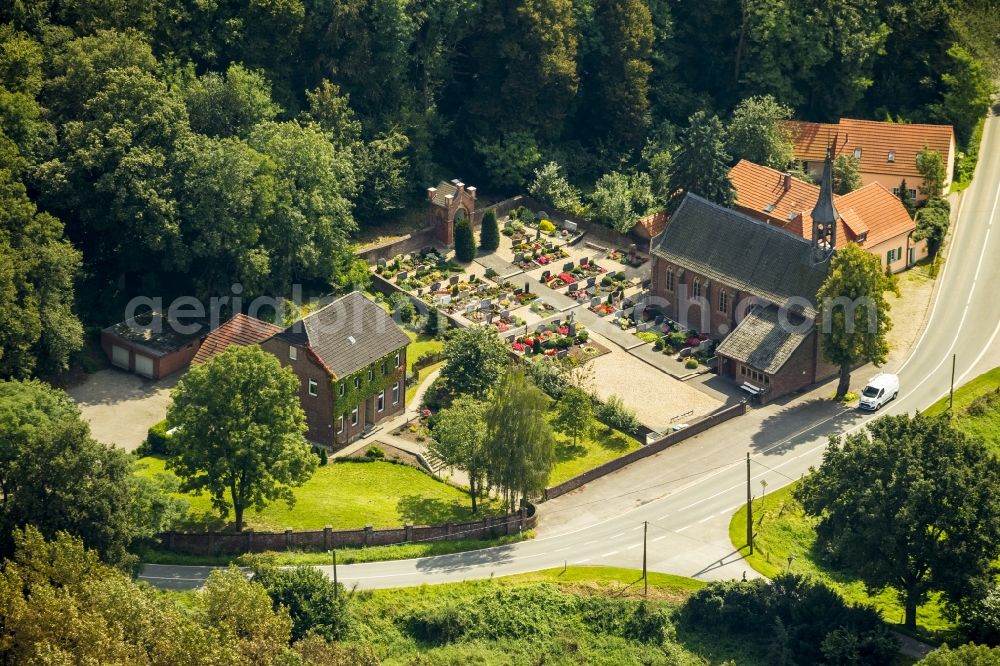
pixel 825 215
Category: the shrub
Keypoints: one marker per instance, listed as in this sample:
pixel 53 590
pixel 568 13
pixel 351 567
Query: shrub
pixel 157 439
pixel 311 599
pixel 375 453
pixel 546 227
pixel 403 308
pixel 489 233
pixel 691 364
pixel 648 336
pixel 465 242
pixel 615 414
pixel 979 619
pixel 549 377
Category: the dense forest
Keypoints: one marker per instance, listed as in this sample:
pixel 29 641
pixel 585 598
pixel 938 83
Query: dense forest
pixel 176 147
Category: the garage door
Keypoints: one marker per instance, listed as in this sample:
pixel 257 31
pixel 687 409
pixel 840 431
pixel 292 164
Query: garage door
pixel 143 366
pixel 119 356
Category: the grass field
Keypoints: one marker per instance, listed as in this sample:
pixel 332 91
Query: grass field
pixel 599 446
pixel 344 495
pixel 420 344
pixel 985 424
pixel 782 529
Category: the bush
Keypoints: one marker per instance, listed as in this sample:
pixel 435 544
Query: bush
pixel 157 439
pixel 979 619
pixel 465 242
pixel 691 364
pixel 323 457
pixel 807 622
pixel 489 233
pixel 615 414
pixel 403 308
pixel 375 453
pixel 648 336
pixel 550 377
pixel 546 227
pixel 311 598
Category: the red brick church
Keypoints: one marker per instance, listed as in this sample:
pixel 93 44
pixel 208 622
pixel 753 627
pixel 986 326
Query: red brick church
pixel 752 286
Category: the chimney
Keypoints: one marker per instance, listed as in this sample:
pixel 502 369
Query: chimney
pixel 786 181
pixel 431 191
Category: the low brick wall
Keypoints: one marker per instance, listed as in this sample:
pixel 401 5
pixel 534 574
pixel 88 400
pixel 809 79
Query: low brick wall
pixel 217 543
pixel 408 243
pixel 652 448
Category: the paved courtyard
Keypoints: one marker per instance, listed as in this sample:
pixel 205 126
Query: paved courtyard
pixel 120 407
pixel 658 399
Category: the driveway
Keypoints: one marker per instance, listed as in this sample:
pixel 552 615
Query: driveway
pixel 120 407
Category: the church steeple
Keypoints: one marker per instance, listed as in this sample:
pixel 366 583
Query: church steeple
pixel 825 215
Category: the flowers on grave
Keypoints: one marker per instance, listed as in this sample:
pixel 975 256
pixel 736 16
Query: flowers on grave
pixel 693 341
pixel 518 346
pixel 604 309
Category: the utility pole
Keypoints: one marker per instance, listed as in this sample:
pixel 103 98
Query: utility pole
pixel 645 581
pixel 951 392
pixel 336 592
pixel 749 508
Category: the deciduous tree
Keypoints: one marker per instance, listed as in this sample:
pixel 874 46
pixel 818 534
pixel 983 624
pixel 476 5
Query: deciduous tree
pixel 757 133
pixel 240 431
pixel 459 435
pixel 911 504
pixel 932 169
pixel 846 174
pixel 933 221
pixel 475 360
pixel 619 199
pixel 551 187
pixel 575 413
pixel 854 311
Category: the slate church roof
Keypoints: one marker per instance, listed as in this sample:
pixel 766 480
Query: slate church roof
pixel 764 341
pixel 741 252
pixel 347 335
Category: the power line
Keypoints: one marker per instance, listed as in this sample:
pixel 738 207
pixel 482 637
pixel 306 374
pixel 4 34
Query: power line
pixel 773 470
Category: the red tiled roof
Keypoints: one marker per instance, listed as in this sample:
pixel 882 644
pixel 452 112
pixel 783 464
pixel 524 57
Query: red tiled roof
pixel 872 209
pixel 654 223
pixel 811 139
pixel 240 330
pixel 877 141
pixel 881 210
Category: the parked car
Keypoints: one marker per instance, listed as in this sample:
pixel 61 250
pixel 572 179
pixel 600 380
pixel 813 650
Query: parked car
pixel 880 390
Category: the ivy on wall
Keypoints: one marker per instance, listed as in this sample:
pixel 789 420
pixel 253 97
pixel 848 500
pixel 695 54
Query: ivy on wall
pixel 343 404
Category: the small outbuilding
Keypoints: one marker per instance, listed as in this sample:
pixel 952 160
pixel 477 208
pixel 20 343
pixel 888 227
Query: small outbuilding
pixel 150 346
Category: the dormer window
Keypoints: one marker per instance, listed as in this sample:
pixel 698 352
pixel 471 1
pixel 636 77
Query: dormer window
pixel 891 158
pixel 768 208
pixel 857 153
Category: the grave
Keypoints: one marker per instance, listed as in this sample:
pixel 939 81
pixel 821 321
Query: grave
pixel 454 279
pixel 569 226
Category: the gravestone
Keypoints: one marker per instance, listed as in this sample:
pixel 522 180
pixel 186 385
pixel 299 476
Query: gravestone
pixel 382 262
pixel 454 279
pixel 445 299
pixel 568 266
pixel 591 281
pixel 519 257
pixel 569 226
pixel 435 286
pixel 470 307
pixel 628 312
pixel 584 261
pixel 572 328
pixel 562 353
pixel 505 314
pixel 402 275
pixel 486 304
pixel 595 301
pixel 546 275
pixel 489 318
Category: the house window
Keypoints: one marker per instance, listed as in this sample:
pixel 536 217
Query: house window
pixel 395 393
pixel 670 279
pixel 893 255
pixel 754 375
pixel 892 156
pixel 292 352
pixel 385 368
pixel 696 288
pixel 912 192
pixel 857 153
pixel 342 389
pixel 357 382
pixel 381 401
pixel 340 425
pixel 371 374
pixel 397 359
pixel 354 415
pixel 723 301
pixel 312 387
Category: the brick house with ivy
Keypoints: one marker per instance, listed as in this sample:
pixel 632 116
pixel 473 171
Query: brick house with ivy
pixel 751 286
pixel 350 357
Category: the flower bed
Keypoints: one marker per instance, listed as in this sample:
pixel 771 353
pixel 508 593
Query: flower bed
pixel 549 341
pixel 633 259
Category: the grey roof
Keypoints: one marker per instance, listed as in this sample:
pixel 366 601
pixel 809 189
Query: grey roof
pixel 763 341
pixel 741 252
pixel 157 334
pixel 825 212
pixel 348 335
pixel 443 190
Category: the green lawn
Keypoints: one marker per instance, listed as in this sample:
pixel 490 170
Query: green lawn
pixel 411 391
pixel 420 344
pixel 600 446
pixel 782 529
pixel 344 495
pixel 983 425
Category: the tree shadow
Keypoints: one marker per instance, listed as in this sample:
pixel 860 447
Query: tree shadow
pixel 566 450
pixel 203 521
pixel 798 423
pixel 614 440
pixel 432 511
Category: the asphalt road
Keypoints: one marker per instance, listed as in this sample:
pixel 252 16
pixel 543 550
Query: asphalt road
pixel 683 498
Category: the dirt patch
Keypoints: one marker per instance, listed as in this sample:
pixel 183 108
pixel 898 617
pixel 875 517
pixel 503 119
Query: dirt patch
pixel 909 311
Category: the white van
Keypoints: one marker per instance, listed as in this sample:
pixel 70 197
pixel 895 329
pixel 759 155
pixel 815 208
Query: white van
pixel 880 390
